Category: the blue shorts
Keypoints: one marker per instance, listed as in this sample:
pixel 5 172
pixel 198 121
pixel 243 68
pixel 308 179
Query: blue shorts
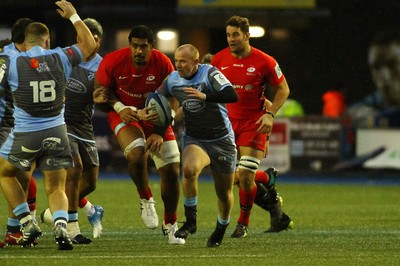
pixel 222 152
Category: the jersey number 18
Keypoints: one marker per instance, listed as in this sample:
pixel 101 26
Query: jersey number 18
pixel 43 91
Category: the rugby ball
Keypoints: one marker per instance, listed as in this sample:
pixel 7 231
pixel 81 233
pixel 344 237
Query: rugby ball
pixel 159 104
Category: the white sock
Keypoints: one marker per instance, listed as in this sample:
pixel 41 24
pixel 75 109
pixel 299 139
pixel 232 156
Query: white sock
pixel 88 209
pixel 73 229
pixel 33 214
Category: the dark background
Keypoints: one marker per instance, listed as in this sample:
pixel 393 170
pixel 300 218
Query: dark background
pixel 326 47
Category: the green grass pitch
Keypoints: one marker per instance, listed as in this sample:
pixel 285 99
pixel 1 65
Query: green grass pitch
pixel 334 225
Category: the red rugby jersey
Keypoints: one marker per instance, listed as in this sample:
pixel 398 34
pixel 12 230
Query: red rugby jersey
pixel 131 85
pixel 248 75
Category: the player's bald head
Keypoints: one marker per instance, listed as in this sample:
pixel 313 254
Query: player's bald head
pixel 189 50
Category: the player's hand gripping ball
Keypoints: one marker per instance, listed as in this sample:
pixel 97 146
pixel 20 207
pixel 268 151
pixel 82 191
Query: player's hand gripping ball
pixel 159 104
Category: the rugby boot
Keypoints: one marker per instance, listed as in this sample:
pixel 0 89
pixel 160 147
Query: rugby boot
pixel 216 237
pixel 190 226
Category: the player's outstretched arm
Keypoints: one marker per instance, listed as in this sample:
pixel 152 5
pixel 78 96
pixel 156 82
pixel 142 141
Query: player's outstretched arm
pixel 86 42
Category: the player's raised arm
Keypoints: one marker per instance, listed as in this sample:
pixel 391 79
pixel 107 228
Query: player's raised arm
pixel 86 42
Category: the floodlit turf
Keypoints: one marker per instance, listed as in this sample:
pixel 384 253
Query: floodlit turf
pixel 334 225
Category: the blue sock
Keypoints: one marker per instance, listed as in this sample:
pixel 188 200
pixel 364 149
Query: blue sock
pixel 13 222
pixel 223 222
pixel 72 216
pixel 21 209
pixel 190 201
pixel 60 216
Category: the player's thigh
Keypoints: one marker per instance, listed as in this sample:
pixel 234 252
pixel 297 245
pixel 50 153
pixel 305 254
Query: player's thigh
pixel 251 151
pixel 194 159
pixel 129 134
pixel 7 169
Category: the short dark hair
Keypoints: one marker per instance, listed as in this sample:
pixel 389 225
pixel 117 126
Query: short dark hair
pixel 240 22
pixel 35 31
pixel 206 58
pixel 4 42
pixel 386 37
pixel 18 30
pixel 141 32
pixel 94 26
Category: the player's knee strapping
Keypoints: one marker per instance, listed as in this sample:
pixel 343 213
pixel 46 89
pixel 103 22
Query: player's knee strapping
pixel 249 163
pixel 139 142
pixel 169 154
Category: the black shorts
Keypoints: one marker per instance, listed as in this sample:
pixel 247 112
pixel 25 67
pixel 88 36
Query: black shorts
pixel 84 149
pixel 49 148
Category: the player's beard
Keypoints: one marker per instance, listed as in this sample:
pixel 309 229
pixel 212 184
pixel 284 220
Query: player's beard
pixel 140 60
pixel 237 49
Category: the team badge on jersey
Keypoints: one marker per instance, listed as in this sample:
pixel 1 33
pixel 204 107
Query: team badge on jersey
pixel 34 63
pixel 69 51
pixel 150 78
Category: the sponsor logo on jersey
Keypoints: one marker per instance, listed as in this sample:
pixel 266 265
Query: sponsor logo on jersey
pixel 91 75
pixel 123 77
pixel 134 95
pixel 238 65
pixel 43 67
pixel 39 67
pixel 248 87
pixel 221 79
pixel 278 71
pixel 224 67
pixel 193 105
pixel 251 69
pixel 236 86
pixel 76 86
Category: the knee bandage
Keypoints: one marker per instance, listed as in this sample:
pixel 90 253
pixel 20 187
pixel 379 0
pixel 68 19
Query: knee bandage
pixel 249 163
pixel 169 154
pixel 136 143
